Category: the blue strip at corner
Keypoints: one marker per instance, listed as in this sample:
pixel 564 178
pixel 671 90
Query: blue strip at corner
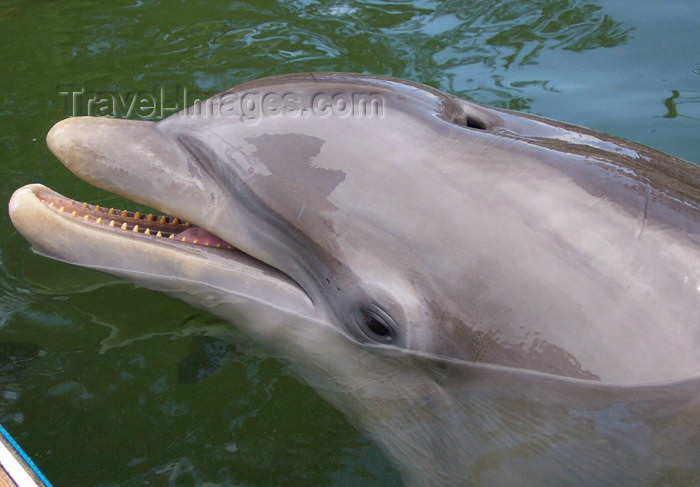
pixel 24 456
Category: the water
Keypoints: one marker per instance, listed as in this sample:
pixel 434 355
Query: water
pixel 103 383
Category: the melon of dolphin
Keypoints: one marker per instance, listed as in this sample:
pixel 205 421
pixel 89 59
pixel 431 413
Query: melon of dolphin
pixel 496 298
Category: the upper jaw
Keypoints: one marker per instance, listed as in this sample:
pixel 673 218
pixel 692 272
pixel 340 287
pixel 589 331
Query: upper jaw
pixel 137 160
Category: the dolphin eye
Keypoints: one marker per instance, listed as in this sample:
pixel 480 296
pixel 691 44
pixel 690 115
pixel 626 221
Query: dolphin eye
pixel 375 327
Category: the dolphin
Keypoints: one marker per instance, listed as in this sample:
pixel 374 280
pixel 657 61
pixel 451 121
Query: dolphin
pixel 495 298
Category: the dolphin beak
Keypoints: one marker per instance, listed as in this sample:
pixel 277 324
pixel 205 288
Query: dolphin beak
pixel 144 163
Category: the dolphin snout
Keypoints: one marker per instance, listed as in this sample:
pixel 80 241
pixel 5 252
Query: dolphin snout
pixel 59 136
pixel 80 142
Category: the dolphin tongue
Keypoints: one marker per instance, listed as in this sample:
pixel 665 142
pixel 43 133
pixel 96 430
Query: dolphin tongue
pixel 200 236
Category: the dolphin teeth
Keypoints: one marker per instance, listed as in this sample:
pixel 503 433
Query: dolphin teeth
pixel 126 220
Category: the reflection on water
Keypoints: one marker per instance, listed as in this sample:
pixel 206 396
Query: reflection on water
pixel 670 103
pixel 126 392
pixel 206 356
pixel 457 46
pixel 676 99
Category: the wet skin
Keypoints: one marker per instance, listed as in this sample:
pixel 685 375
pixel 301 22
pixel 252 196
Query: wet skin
pixel 496 298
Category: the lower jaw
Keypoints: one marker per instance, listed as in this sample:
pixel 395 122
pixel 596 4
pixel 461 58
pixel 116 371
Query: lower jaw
pixel 157 226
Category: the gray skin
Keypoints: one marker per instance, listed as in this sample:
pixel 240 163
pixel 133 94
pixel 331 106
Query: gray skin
pixel 496 298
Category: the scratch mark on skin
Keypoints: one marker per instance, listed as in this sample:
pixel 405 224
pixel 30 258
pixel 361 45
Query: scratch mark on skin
pixel 301 212
pixel 646 212
pixel 368 383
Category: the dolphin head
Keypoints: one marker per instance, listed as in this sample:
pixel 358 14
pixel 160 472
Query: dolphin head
pixel 282 170
pixel 381 235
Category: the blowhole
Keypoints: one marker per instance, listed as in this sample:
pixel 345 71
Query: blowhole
pixel 470 121
pixel 475 123
pixel 468 115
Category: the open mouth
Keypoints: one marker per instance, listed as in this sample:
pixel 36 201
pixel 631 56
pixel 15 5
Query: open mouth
pixel 145 225
pixel 157 251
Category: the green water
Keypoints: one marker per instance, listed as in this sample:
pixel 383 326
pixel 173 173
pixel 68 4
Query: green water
pixel 109 396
